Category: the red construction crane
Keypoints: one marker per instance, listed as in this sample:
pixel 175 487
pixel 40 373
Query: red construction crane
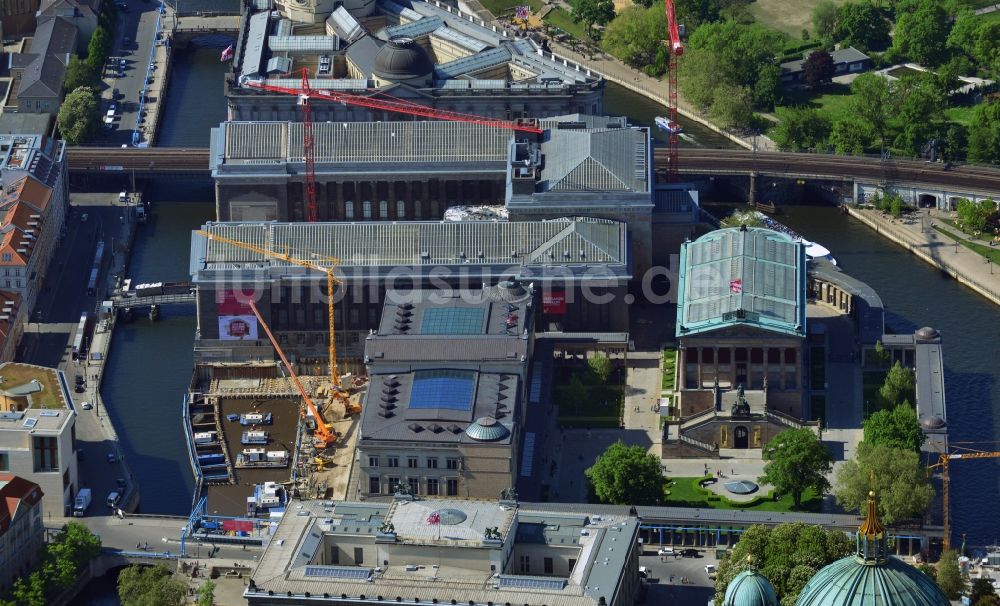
pixel 306 94
pixel 675 48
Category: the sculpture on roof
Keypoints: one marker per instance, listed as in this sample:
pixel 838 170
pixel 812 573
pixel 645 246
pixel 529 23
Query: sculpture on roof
pixel 387 528
pixel 402 489
pixel 508 494
pixel 492 534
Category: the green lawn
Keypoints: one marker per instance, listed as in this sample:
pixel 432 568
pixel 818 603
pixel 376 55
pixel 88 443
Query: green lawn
pixel 504 7
pixel 589 403
pixel 685 492
pixel 990 17
pixel 989 252
pixel 974 4
pixel 669 368
pixel 789 16
pixel 562 19
pixel 832 100
pixel 961 115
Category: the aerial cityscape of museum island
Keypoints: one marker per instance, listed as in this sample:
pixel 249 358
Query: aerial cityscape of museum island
pixel 500 302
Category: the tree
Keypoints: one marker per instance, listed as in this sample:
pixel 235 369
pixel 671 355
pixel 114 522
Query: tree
pixel 896 428
pixel 731 106
pixel 899 386
pixel 78 73
pixel 801 129
pixel 974 216
pixel 984 134
pixel 818 67
pixel 896 206
pixel 922 34
pixel 627 475
pixel 824 19
pixel 98 48
pixel 592 12
pixel 789 553
pixel 796 460
pixel 903 489
pixel 635 36
pixel 881 356
pixel 919 115
pixel 980 589
pixel 949 578
pixel 861 24
pixel 78 116
pixel 699 75
pixel 206 594
pixel 30 590
pixel 851 135
pixel 872 104
pixel 601 366
pixel 150 586
pixel 746 55
pixel 693 13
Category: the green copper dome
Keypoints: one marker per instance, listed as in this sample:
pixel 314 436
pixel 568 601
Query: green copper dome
pixel 871 577
pixel 851 582
pixel 749 588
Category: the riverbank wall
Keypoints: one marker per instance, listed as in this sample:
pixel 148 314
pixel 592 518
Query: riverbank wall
pixel 929 249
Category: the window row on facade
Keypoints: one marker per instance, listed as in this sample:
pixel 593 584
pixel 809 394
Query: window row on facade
pixel 412 462
pixel 417 486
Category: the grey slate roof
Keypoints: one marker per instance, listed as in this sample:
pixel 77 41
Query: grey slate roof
pixel 362 54
pixel 494 394
pixel 360 142
pixel 577 244
pixel 53 44
pixel 345 25
pixel 844 55
pixel 595 160
pixel 256 41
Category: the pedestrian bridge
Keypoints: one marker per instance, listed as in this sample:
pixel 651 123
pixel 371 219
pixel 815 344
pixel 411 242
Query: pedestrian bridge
pixel 141 302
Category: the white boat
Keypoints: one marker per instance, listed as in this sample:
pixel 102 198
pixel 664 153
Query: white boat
pixel 668 125
pixel 818 251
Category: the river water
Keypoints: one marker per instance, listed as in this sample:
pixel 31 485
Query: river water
pixel 150 363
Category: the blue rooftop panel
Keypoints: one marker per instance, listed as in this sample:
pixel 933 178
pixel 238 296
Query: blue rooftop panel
pixel 452 321
pixel 442 389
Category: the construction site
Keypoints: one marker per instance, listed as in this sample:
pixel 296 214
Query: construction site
pixel 249 425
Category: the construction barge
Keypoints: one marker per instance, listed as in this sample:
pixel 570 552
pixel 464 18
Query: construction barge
pixel 251 440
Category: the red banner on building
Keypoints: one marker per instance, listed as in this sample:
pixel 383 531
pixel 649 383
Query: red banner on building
pixel 233 303
pixel 554 302
pixel 237 525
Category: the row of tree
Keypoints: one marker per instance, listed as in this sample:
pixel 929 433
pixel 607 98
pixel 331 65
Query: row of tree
pixel 905 115
pixel 156 586
pixel 60 563
pixel 79 114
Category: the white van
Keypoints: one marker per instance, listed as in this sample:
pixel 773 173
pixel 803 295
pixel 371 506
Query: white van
pixel 113 499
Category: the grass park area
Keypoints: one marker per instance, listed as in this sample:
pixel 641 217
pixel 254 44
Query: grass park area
pixel 561 18
pixel 669 369
pixel 988 252
pixel 961 115
pixel 832 100
pixel 789 16
pixel 584 401
pixel 686 492
pixel 500 8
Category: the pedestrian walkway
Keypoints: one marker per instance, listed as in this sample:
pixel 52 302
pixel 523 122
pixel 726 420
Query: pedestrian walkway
pixel 920 233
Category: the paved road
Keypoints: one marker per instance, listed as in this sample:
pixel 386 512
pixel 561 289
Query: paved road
pixel 49 334
pixel 138 25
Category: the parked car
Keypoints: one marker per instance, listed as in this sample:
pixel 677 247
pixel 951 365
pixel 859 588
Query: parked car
pixel 87 406
pixel 112 458
pixel 666 551
pixel 689 553
pixel 113 499
pixel 80 388
pixel 710 570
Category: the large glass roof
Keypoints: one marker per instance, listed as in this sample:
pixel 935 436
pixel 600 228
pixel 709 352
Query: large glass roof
pixel 452 321
pixel 442 389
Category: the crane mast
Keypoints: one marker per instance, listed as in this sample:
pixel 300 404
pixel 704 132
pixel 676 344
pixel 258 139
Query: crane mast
pixel 307 147
pixel 944 461
pixel 675 48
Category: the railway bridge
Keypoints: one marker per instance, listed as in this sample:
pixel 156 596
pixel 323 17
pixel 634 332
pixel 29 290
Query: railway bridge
pixel 920 183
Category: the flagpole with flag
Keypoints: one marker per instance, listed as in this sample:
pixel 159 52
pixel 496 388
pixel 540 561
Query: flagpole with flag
pixel 227 53
pixel 435 520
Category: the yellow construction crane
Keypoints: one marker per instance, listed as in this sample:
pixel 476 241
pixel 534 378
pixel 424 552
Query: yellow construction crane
pixel 943 462
pixel 316 262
